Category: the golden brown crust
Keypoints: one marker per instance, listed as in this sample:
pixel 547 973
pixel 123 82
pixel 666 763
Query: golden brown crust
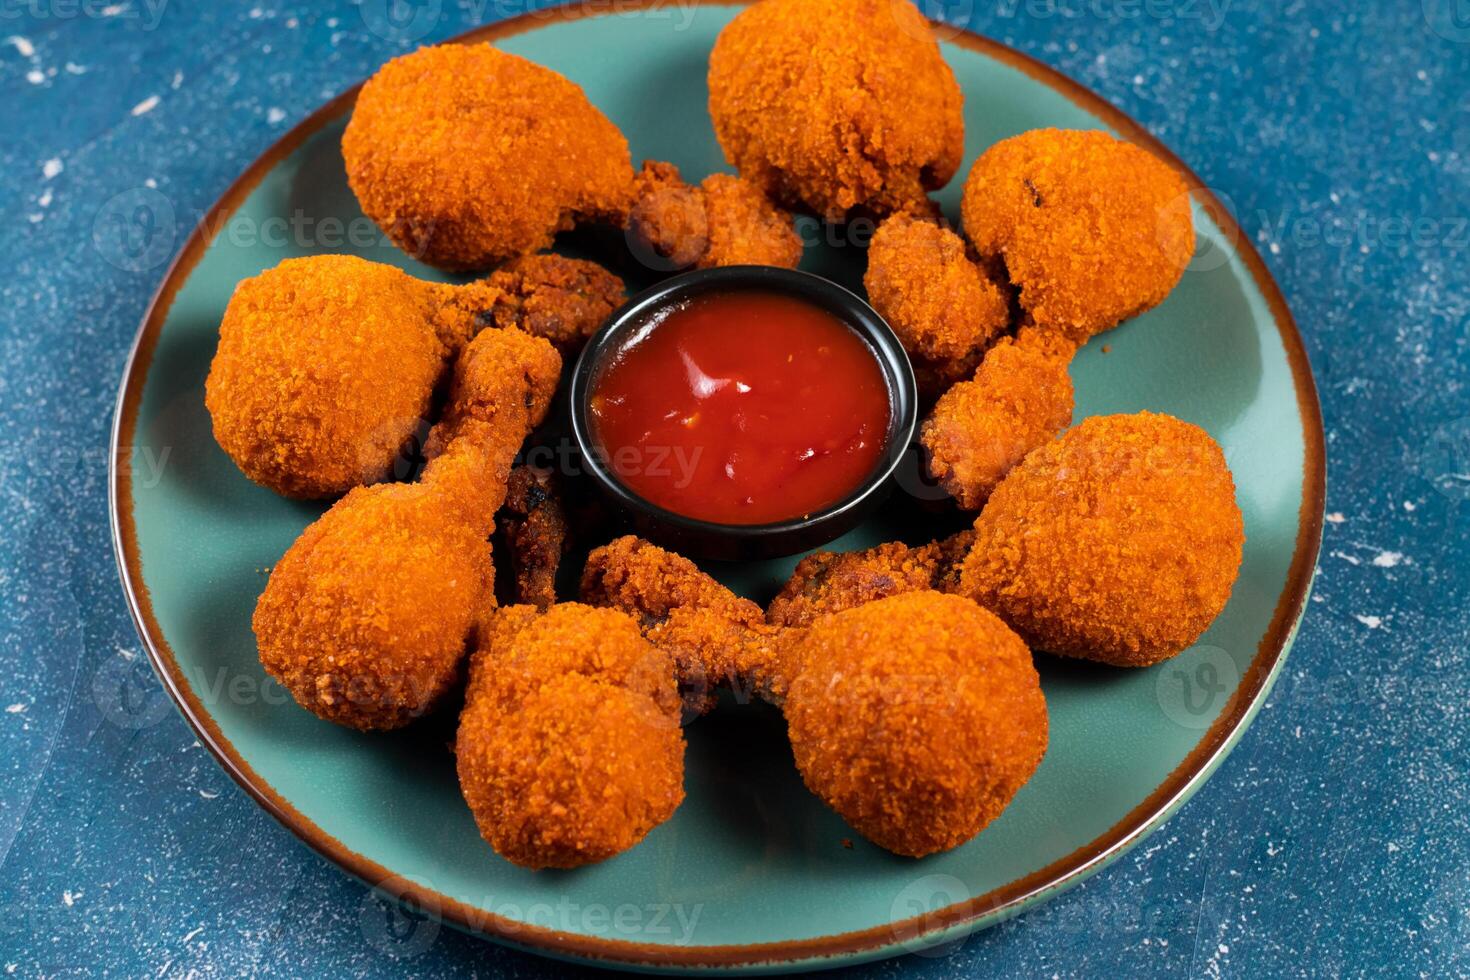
pixel 326 366
pixel 942 304
pixel 324 369
pixel 366 617
pixel 916 718
pixel 564 300
pixel 745 228
pixel 828 582
pixel 836 105
pixel 724 221
pixel 1020 398
pixel 668 217
pixel 1119 542
pixel 569 749
pixel 467 156
pixel 714 636
pixel 534 526
pixel 1092 230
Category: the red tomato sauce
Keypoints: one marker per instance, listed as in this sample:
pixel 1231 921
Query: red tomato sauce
pixel 742 408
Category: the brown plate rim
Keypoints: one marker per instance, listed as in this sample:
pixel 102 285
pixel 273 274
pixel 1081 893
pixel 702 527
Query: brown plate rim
pixel 804 953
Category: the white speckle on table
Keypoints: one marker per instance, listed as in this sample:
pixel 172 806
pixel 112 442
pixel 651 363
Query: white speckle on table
pixel 72 68
pixel 1351 559
pixel 1409 506
pixel 146 106
pixel 35 76
pixel 1335 517
pixel 191 935
pixel 15 709
pixel 45 199
pixel 1388 559
pixel 23 45
pixel 1392 847
pixel 1372 622
pixel 70 897
pixel 275 115
pixel 112 10
pixel 52 167
pixel 209 794
pixel 177 81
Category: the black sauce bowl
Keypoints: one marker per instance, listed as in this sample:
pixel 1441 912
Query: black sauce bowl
pixel 697 538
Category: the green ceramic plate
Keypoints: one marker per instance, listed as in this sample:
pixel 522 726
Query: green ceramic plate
pixel 752 871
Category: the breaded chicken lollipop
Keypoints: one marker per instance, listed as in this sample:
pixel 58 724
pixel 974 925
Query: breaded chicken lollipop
pixel 723 221
pixel 569 748
pixel 917 718
pixel 467 156
pixel 827 582
pixel 835 106
pixel 367 616
pixel 714 637
pixel 1091 229
pixel 941 302
pixel 1118 542
pixel 1020 398
pixel 326 366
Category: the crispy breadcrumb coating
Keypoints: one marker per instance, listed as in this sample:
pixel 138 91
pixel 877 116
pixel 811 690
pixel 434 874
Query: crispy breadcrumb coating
pixel 836 105
pixel 714 636
pixel 467 156
pixel 326 365
pixel 745 228
pixel 325 368
pixel 564 300
pixel 941 302
pixel 366 617
pixel 534 525
pixel 724 221
pixel 917 718
pixel 1092 230
pixel 828 582
pixel 1020 398
pixel 668 217
pixel 1119 542
pixel 569 749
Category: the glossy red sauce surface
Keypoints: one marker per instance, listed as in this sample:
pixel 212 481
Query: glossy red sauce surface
pixel 742 408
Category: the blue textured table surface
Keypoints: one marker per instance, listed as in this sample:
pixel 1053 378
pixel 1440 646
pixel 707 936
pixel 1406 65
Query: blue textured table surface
pixel 1336 838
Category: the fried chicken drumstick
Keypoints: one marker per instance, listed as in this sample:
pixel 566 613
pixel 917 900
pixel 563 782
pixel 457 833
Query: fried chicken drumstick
pixel 326 366
pixel 569 748
pixel 366 618
pixel 837 106
pixel 916 717
pixel 724 220
pixel 467 156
